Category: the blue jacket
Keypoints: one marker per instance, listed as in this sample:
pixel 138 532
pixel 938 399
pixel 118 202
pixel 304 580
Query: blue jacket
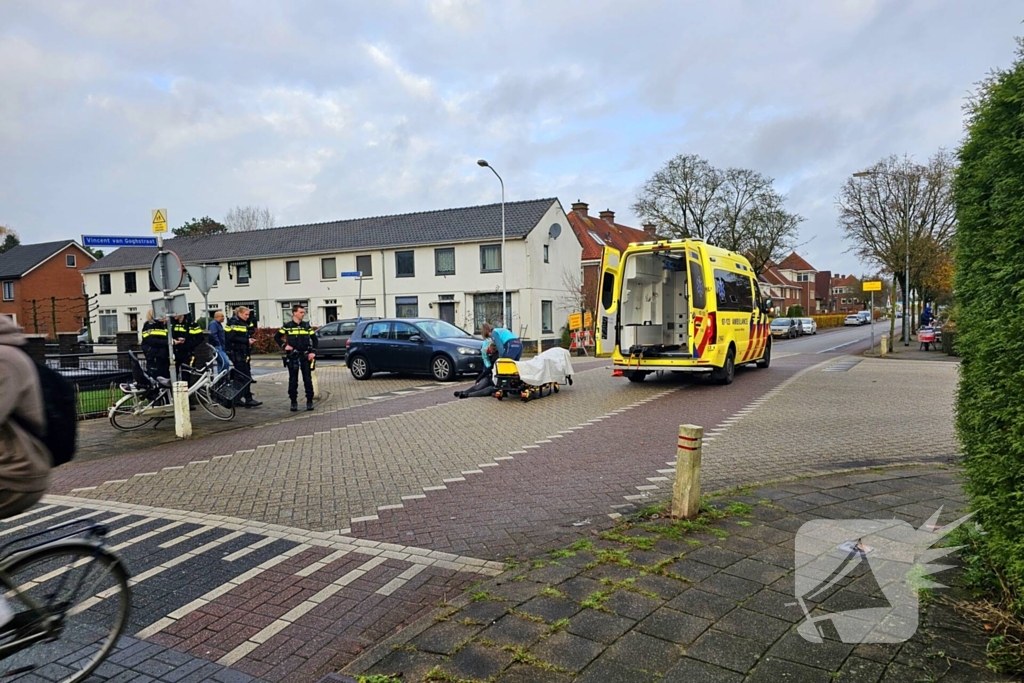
pixel 502 336
pixel 217 335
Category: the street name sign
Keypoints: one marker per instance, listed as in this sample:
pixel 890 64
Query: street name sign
pixel 117 241
pixel 351 273
pixel 159 221
pixel 873 286
pixel 166 271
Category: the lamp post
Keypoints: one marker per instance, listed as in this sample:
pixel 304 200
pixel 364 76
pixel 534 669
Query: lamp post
pixel 906 266
pixel 504 293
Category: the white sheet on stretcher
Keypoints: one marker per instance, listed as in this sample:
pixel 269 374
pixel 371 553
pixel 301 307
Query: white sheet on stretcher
pixel 554 365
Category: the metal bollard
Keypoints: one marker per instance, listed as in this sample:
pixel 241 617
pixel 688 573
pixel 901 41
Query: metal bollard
pixel 182 418
pixel 884 349
pixel 686 489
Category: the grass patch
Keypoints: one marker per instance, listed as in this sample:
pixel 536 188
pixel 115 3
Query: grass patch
pixel 738 508
pixel 596 600
pixel 744 522
pixel 480 596
pixel 552 592
pixel 559 554
pixel 582 545
pixel 636 542
pixel 379 678
pixel 521 656
pixel 526 615
pixel 559 625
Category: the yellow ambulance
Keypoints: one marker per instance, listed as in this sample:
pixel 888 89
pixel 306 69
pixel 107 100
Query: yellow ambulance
pixel 683 306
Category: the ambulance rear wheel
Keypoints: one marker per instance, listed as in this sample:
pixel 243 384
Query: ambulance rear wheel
pixel 767 359
pixel 726 373
pixel 636 376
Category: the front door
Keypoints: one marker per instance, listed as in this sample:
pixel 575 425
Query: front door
pixel 446 311
pixel 133 322
pixel 330 314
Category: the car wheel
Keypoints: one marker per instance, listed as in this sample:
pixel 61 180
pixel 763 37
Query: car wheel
pixel 766 360
pixel 359 367
pixel 726 373
pixel 442 368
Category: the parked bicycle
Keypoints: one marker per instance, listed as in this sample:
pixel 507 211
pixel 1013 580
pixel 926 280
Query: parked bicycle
pixel 70 598
pixel 149 398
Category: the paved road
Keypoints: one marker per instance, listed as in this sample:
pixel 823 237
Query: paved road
pixel 283 550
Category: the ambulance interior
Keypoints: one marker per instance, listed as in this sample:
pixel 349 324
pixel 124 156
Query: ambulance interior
pixel 654 308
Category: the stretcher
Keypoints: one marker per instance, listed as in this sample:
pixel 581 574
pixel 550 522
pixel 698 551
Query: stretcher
pixel 535 378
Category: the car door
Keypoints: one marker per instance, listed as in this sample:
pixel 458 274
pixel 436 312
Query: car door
pixel 345 330
pixel 327 340
pixel 404 352
pixel 375 345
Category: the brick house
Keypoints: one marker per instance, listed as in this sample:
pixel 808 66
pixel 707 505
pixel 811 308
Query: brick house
pixel 42 288
pixel 797 270
pixel 845 294
pixel 782 291
pixel 594 233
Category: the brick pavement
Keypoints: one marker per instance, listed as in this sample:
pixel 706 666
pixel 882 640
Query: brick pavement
pixel 658 600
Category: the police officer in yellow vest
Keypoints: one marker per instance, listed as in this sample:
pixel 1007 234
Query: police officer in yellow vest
pixel 298 340
pixel 238 334
pixel 154 346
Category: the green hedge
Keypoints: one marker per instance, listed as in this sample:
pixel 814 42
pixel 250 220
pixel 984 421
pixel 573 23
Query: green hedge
pixel 989 284
pixel 826 321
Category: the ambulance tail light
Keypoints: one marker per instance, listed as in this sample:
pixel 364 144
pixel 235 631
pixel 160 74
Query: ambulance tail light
pixel 712 327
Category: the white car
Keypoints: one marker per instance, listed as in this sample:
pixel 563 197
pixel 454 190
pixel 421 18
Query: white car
pixel 808 326
pixel 852 319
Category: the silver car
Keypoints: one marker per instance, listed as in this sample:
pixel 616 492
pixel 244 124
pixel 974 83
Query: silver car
pixel 808 326
pixel 332 338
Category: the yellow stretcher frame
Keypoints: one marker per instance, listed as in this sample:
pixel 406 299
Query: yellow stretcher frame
pixel 509 383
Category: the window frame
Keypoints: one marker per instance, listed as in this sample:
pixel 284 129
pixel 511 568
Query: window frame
pixel 437 268
pixel 366 273
pixel 107 289
pixel 412 254
pixel 325 259
pixel 135 282
pixel 287 275
pixel 8 285
pixel 547 254
pixel 107 316
pixel 413 301
pixel 483 263
pixel 731 288
pixel 393 334
pixel 70 261
pixel 238 265
pixel 550 328
pixel 369 327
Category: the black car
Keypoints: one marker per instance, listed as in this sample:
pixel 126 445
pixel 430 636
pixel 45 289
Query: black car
pixel 418 346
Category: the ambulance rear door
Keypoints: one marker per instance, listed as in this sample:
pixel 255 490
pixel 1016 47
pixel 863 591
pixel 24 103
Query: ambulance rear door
pixel 607 336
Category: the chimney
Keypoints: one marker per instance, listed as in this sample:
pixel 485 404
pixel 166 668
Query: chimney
pixel 650 229
pixel 608 215
pixel 580 207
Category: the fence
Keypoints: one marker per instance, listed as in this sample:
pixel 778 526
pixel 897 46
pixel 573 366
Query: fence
pixel 95 377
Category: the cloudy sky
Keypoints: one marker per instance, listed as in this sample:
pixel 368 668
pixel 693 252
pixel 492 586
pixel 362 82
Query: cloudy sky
pixel 329 110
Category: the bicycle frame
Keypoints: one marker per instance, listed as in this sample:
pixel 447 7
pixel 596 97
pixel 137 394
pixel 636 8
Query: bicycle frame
pixel 47 620
pixel 160 404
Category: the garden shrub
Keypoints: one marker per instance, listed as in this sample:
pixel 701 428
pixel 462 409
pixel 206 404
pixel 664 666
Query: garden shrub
pixel 795 312
pixel 989 285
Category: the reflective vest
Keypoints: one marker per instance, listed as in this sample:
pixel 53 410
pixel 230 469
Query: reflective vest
pixel 300 336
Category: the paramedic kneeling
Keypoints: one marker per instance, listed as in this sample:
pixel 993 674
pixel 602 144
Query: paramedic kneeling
pixel 509 345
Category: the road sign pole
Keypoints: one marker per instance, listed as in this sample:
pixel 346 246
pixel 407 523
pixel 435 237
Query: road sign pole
pixel 359 300
pixel 872 321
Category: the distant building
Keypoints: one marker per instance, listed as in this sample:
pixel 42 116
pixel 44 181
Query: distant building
pixel 42 286
pixel 594 233
pixel 845 294
pixel 443 264
pixel 797 270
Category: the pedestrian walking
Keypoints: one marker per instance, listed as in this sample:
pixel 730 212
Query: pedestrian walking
pixel 239 337
pixel 298 341
pixel 218 341
pixel 154 346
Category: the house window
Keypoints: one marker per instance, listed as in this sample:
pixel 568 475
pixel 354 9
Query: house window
pixel 69 259
pixel 405 264
pixel 186 281
pixel 803 277
pixel 152 285
pixel 108 325
pixel 129 283
pixel 9 290
pixel 366 308
pixel 291 271
pixel 487 309
pixel 546 254
pixel 286 309
pixel 490 258
pixel 328 268
pixel 407 307
pixel 444 261
pixel 105 285
pixel 364 264
pixel 243 271
pixel 596 238
pixel 253 306
pixel 545 318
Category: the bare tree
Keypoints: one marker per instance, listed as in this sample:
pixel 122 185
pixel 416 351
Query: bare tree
pixel 771 231
pixel 737 200
pixel 245 218
pixel 895 204
pixel 682 198
pixel 573 296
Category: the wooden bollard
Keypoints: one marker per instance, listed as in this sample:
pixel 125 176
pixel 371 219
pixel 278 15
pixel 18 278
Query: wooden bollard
pixel 686 489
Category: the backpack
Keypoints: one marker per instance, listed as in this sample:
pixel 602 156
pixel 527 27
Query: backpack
pixel 59 408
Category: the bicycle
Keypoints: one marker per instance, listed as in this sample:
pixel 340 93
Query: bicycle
pixel 70 598
pixel 149 398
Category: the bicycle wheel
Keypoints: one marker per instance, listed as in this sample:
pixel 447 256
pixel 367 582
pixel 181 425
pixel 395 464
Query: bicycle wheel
pixel 78 597
pixel 125 417
pixel 212 405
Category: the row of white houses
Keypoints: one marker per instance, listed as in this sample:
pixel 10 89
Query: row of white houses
pixel 444 264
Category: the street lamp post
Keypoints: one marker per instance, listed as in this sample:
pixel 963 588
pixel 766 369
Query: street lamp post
pixel 504 292
pixel 906 266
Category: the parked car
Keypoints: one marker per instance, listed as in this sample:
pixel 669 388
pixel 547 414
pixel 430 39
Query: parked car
pixel 420 346
pixel 852 319
pixel 83 336
pixel 332 338
pixel 786 328
pixel 865 317
pixel 808 326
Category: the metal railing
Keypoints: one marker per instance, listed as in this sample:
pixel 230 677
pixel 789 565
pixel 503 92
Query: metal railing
pixel 95 376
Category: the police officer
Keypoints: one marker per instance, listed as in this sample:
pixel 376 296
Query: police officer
pixel 154 346
pixel 187 335
pixel 298 341
pixel 238 334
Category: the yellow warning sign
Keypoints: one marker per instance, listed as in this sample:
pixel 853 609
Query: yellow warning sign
pixel 159 220
pixel 872 285
pixel 588 319
pixel 575 321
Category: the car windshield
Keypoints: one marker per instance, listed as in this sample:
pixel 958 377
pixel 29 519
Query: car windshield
pixel 439 329
pixel 854 317
pixel 779 322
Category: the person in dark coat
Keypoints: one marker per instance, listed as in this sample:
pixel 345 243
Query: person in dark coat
pixel 239 335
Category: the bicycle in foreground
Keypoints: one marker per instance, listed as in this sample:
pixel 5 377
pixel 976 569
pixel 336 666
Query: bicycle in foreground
pixel 149 398
pixel 70 598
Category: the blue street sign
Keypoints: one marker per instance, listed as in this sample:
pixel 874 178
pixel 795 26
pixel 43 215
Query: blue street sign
pixel 351 273
pixel 117 241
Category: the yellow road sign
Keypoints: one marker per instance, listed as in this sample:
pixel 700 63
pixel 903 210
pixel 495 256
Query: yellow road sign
pixel 575 321
pixel 872 285
pixel 588 320
pixel 159 220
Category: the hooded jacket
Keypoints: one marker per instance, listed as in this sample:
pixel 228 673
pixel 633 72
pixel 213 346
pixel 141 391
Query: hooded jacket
pixel 24 461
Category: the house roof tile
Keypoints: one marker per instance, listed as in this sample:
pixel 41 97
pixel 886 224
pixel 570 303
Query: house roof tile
pixel 795 262
pixel 614 235
pixel 24 257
